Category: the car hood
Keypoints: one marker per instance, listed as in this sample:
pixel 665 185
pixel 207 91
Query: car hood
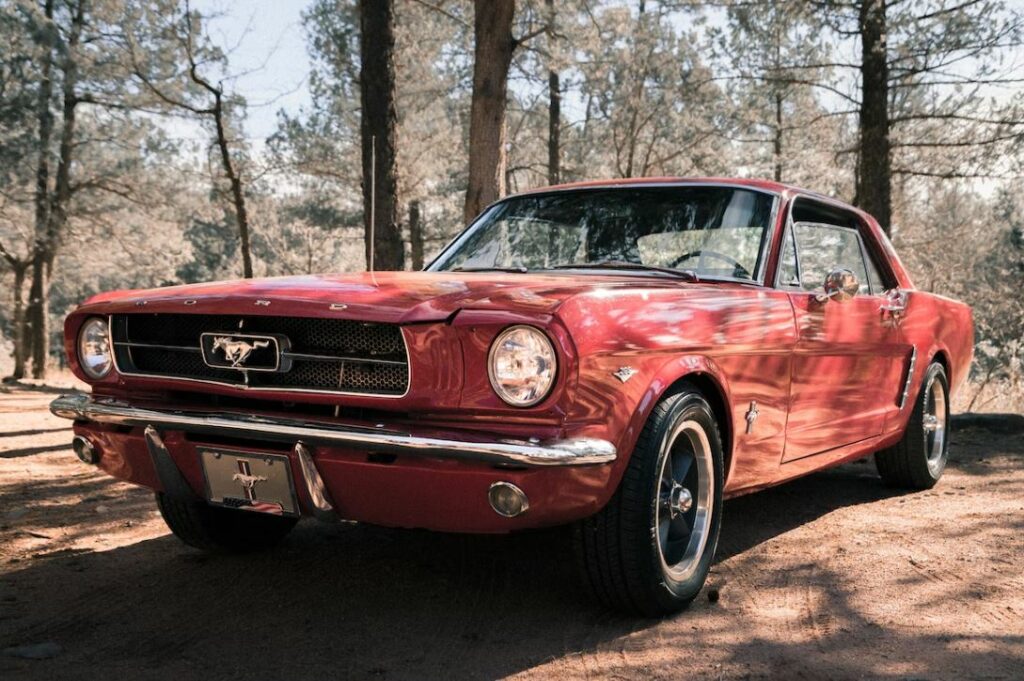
pixel 397 297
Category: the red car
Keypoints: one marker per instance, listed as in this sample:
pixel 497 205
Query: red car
pixel 620 356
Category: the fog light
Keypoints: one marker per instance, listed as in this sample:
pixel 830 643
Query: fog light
pixel 507 499
pixel 85 451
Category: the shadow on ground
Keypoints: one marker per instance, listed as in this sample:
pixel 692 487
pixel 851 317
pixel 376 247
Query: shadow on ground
pixel 357 601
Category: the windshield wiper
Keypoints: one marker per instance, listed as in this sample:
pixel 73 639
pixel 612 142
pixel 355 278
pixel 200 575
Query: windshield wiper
pixel 689 275
pixel 518 268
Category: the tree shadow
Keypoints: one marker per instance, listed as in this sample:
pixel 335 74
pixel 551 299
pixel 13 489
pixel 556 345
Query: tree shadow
pixel 755 518
pixel 31 451
pixel 36 431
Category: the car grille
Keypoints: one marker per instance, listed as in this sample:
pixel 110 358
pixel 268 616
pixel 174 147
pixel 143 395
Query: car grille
pixel 333 355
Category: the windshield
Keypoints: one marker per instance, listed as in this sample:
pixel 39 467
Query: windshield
pixel 712 231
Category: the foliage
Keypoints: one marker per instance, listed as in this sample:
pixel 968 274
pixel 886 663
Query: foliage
pixel 757 88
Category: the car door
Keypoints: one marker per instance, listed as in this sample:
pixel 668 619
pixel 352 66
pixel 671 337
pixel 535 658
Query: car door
pixel 848 353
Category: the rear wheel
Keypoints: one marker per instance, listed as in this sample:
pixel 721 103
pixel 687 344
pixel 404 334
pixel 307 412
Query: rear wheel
pixel 650 549
pixel 221 529
pixel 918 459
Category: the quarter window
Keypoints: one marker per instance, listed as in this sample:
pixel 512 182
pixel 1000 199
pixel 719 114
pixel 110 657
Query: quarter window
pixel 789 271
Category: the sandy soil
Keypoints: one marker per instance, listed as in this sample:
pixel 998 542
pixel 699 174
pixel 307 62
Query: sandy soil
pixel 833 576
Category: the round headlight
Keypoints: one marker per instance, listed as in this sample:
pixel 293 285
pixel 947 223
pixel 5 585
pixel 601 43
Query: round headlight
pixel 522 366
pixel 94 348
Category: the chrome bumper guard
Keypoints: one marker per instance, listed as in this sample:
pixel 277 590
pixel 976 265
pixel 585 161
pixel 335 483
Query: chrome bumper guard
pixel 567 452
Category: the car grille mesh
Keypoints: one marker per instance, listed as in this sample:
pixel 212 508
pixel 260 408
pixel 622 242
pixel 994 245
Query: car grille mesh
pixel 333 355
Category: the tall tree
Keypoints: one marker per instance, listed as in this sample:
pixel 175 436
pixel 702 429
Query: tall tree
pixel 929 101
pixel 188 89
pixel 874 159
pixel 554 100
pixel 52 202
pixel 492 56
pixel 764 47
pixel 19 265
pixel 651 104
pixel 25 117
pixel 85 155
pixel 378 128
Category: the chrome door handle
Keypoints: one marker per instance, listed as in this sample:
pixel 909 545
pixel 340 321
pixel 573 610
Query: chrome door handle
pixel 896 303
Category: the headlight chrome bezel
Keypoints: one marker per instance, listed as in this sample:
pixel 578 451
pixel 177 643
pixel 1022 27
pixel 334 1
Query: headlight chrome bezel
pixel 496 386
pixel 87 367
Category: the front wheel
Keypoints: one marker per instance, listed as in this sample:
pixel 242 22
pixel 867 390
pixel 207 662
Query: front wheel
pixel 650 549
pixel 918 459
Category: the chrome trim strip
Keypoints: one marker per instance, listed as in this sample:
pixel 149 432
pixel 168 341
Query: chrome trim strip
pixel 173 482
pixel 284 354
pixel 257 389
pixel 568 452
pixel 155 346
pixel 910 377
pixel 341 358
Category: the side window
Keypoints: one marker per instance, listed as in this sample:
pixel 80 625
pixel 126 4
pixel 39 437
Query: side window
pixel 789 273
pixel 823 248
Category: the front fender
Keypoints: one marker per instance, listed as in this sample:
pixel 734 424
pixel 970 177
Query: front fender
pixel 617 409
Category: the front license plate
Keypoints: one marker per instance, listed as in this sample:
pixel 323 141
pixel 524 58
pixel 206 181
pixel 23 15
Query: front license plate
pixel 251 482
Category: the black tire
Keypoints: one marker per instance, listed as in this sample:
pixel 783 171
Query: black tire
pixel 619 549
pixel 211 528
pixel 918 459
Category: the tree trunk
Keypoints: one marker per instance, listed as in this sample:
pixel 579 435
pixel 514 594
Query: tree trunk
pixel 237 193
pixel 35 315
pixel 379 131
pixel 554 106
pixel 778 137
pixel 492 57
pixel 415 236
pixel 18 321
pixel 45 250
pixel 37 322
pixel 874 172
pixel 554 129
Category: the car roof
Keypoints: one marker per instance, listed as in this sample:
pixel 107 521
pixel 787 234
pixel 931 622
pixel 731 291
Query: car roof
pixel 763 185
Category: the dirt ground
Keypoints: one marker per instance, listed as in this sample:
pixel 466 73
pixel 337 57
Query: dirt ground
pixel 832 576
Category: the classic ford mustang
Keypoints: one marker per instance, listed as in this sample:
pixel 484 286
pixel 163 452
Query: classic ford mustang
pixel 619 356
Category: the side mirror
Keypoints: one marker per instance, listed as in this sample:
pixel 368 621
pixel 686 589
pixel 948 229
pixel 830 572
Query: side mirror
pixel 840 285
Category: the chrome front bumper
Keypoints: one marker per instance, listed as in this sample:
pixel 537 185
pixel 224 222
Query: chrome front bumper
pixel 499 451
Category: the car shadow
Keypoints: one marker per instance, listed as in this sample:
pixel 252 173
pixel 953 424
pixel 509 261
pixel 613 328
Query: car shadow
pixel 350 600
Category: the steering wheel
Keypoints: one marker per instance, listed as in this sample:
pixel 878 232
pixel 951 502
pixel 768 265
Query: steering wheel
pixel 738 269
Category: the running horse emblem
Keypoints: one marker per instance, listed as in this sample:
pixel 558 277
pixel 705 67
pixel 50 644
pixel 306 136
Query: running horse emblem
pixel 237 351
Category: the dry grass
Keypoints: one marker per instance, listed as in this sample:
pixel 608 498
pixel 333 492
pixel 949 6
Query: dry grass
pixel 999 397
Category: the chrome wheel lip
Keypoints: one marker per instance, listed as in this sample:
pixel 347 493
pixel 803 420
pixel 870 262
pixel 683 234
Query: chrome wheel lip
pixel 703 499
pixel 934 424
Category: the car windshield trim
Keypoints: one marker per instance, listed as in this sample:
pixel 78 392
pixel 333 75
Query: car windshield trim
pixel 759 275
pixel 497 268
pixel 625 265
